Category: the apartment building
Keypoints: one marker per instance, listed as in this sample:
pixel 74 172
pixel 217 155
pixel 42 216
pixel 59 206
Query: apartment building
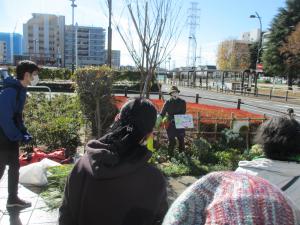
pixel 89 48
pixel 10 45
pixel 2 52
pixel 44 39
pixel 251 36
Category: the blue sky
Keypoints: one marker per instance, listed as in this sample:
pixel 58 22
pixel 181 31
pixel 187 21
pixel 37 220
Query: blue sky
pixel 219 20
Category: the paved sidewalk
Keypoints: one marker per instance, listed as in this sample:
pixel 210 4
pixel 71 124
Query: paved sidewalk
pixel 37 214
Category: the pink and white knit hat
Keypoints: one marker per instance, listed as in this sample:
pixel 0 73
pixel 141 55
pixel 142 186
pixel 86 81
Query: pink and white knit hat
pixel 230 198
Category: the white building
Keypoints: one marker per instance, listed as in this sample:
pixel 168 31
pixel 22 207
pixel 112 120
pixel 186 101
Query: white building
pixel 44 39
pixel 90 48
pixel 251 36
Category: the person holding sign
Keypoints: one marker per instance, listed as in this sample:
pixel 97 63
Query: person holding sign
pixel 174 106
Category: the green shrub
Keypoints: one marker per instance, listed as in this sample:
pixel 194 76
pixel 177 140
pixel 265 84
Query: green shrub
pixel 54 123
pixel 254 152
pixel 61 132
pixel 55 74
pixel 229 158
pixel 174 170
pixel 127 75
pixel 48 73
pixel 202 150
pixel 94 88
pixel 230 139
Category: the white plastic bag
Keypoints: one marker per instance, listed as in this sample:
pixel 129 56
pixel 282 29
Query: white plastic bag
pixel 36 173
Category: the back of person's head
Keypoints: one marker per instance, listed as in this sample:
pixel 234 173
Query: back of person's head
pixel 25 66
pixel 280 138
pixel 136 121
pixel 232 198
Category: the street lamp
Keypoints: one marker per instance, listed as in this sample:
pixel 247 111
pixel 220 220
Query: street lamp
pixel 35 41
pixel 258 49
pixel 195 50
pixel 260 35
pixel 73 5
pixel 195 58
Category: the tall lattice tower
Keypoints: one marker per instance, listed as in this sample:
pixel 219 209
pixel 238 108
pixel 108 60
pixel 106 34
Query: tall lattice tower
pixel 193 21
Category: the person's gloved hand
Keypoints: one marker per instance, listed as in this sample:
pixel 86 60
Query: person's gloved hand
pixel 26 138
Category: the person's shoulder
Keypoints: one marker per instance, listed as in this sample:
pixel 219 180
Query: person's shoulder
pixel 10 91
pixel 155 173
pixel 181 100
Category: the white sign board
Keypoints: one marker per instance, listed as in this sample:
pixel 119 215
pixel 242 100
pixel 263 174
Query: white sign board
pixel 184 121
pixel 237 125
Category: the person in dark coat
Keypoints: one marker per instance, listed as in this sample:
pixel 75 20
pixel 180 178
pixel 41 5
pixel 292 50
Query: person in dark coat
pixel 12 128
pixel 113 183
pixel 174 106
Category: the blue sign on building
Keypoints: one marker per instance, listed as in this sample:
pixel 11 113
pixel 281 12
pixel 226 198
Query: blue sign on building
pixel 8 40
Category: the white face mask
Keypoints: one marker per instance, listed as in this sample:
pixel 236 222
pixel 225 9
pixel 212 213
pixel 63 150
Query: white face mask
pixel 35 80
pixel 174 95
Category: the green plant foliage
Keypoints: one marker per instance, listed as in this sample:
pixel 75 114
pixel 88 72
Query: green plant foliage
pixel 54 123
pixel 47 73
pixel 230 139
pixel 55 74
pixel 254 152
pixel 281 27
pixel 203 157
pixel 127 75
pixel 202 150
pixel 94 88
pixel 174 170
pixel 229 158
pixel 54 191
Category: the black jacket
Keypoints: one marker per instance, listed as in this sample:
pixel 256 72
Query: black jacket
pixel 97 192
pixel 173 107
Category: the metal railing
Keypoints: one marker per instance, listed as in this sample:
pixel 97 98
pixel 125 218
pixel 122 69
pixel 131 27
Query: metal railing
pixel 30 88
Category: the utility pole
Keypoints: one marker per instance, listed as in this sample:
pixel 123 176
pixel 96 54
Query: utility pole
pixel 76 45
pixel 73 5
pixel 194 25
pixel 109 36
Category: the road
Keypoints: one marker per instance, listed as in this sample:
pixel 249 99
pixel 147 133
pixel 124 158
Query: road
pixel 259 106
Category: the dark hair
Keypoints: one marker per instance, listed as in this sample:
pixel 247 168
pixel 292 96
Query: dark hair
pixel 25 66
pixel 137 119
pixel 280 138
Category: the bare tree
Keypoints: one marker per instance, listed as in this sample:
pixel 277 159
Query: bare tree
pixel 153 29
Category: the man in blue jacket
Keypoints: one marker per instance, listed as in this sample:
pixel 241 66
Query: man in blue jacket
pixel 12 129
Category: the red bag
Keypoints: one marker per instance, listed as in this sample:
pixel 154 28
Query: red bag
pixel 37 155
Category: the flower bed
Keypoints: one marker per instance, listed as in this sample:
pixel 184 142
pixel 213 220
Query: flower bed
pixel 209 114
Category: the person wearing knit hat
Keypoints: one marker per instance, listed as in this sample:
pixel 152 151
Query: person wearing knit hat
pixel 174 106
pixel 234 199
pixel 113 183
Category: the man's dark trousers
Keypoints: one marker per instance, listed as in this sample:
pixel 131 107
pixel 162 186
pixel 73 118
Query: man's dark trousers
pixel 9 155
pixel 173 133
